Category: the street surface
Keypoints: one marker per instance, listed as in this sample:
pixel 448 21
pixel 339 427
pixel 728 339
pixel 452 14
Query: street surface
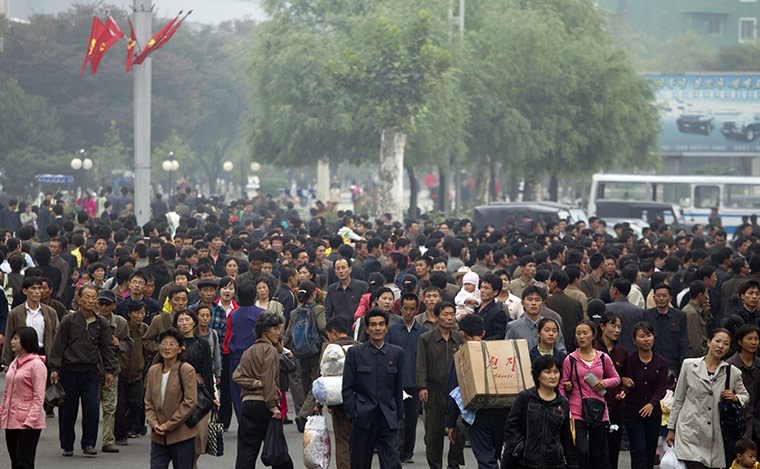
pixel 136 455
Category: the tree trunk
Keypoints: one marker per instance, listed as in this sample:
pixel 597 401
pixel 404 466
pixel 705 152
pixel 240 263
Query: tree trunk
pixel 414 189
pixel 529 188
pixel 482 180
pixel 514 186
pixel 553 188
pixel 443 191
pixel 391 193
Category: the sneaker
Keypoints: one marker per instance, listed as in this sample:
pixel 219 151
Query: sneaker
pixel 67 454
pixel 287 421
pixel 407 461
pixel 133 435
pixel 89 451
pixel 50 415
pixel 109 449
pixel 122 442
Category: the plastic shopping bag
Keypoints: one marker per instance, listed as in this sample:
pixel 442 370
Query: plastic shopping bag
pixel 328 390
pixel 670 460
pixel 316 443
pixel 275 451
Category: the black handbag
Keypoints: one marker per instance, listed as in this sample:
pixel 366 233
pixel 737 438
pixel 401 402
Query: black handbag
pixel 592 410
pixel 275 451
pixel 204 401
pixel 732 422
pixel 215 445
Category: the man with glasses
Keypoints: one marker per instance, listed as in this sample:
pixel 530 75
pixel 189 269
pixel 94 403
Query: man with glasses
pixel 84 342
pixel 138 282
pixel 121 344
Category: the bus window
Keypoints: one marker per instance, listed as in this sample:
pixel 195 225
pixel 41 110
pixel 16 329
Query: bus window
pixel 706 196
pixel 741 196
pixel 672 193
pixel 622 191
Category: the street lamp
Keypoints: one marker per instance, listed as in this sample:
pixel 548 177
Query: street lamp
pixel 170 166
pixel 80 163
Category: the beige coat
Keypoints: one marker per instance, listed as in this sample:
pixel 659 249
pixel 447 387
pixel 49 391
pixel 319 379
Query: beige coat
pixel 175 408
pixel 695 416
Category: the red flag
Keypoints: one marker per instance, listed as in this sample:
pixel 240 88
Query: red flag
pixel 97 28
pixel 153 41
pixel 109 35
pixel 131 45
pixel 165 38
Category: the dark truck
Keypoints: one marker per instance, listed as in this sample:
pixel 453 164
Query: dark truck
pixel 745 126
pixel 699 121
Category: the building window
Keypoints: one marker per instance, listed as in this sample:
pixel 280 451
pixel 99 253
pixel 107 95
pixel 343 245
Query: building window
pixel 715 25
pixel 747 29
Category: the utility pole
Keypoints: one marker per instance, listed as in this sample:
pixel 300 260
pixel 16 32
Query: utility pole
pixel 143 23
pixel 459 18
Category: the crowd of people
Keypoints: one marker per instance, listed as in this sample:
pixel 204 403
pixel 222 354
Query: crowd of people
pixel 646 342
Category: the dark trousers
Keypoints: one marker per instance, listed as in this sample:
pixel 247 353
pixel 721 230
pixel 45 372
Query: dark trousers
pixel 253 422
pixel 378 436
pixel 408 434
pixel 225 398
pixel 435 433
pixel 234 361
pixel 128 408
pixel 308 370
pixel 84 386
pixel 591 446
pixel 617 417
pixel 643 434
pixel 693 465
pixel 22 447
pixel 181 455
pixel 486 436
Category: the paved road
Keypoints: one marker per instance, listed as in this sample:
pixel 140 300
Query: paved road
pixel 136 454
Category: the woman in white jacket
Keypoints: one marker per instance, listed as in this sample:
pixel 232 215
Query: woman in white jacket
pixel 694 424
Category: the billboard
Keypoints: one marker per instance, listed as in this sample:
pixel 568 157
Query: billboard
pixel 709 114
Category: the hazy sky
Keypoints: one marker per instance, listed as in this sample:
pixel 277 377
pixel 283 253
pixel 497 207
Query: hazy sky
pixel 204 11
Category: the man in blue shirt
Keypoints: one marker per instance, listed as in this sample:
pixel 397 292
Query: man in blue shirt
pixel 405 334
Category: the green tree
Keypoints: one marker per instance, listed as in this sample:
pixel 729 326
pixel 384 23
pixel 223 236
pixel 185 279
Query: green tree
pixel 391 76
pixel 30 139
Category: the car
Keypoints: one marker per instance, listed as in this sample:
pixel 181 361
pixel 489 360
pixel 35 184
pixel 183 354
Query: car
pixel 696 121
pixel 745 126
pixel 501 214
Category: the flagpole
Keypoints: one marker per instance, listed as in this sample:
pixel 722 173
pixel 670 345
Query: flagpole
pixel 143 20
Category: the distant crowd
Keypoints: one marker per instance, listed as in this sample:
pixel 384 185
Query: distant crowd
pixel 212 309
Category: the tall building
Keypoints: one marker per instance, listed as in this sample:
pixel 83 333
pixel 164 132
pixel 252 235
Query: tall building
pixel 717 23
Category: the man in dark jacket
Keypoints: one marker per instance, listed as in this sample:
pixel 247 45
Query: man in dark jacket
pixel 671 334
pixel 492 311
pixel 83 342
pixel 372 395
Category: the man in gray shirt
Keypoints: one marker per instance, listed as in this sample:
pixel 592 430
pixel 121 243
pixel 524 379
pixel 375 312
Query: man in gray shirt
pixel 533 298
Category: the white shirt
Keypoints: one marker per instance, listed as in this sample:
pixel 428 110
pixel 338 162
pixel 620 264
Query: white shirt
pixel 164 380
pixel 36 321
pixel 514 306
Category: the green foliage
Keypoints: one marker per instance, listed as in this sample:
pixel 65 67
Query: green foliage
pixel 112 153
pixel 30 138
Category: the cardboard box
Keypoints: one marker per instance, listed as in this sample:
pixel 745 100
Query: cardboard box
pixel 492 373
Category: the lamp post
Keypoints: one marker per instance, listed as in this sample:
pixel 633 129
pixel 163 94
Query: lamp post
pixel 170 166
pixel 80 163
pixel 227 167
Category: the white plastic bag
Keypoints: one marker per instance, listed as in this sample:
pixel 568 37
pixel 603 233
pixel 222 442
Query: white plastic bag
pixel 327 390
pixel 332 360
pixel 316 443
pixel 670 460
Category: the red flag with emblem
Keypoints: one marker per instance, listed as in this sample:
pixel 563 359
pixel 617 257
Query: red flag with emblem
pixel 131 45
pixel 170 33
pixel 151 46
pixel 109 35
pixel 97 28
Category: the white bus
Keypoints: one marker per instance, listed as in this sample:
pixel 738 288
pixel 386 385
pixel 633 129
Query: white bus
pixel 733 196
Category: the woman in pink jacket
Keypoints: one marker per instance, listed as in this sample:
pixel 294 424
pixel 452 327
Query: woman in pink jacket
pixel 21 413
pixel 591 427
